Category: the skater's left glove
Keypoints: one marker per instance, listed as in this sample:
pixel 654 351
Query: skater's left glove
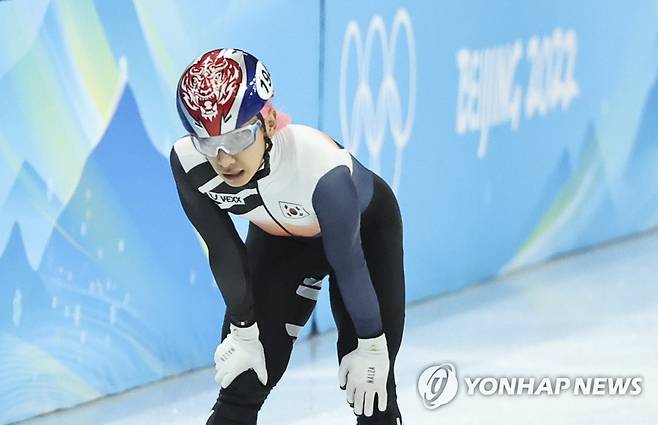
pixel 363 373
pixel 240 351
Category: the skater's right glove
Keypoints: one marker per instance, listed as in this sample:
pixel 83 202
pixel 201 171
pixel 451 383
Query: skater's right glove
pixel 240 351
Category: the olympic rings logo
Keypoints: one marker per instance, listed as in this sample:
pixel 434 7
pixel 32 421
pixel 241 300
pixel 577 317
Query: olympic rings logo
pixel 372 117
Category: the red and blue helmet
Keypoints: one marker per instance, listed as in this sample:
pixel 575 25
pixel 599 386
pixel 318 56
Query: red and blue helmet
pixel 222 90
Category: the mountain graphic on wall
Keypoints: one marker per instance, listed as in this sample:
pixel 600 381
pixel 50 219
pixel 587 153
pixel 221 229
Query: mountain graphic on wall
pixel 582 212
pixel 23 297
pixel 26 323
pixel 126 36
pixel 31 204
pixel 598 218
pixel 130 297
pixel 642 167
pixel 550 190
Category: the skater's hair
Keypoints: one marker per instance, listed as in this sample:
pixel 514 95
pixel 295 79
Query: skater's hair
pixel 282 119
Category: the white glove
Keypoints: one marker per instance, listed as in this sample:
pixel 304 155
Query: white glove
pixel 364 373
pixel 240 351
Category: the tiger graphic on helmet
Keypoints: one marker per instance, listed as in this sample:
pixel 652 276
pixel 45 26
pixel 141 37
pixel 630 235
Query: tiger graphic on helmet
pixel 209 89
pixel 220 91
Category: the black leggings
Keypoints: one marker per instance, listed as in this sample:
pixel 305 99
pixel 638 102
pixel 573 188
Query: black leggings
pixel 286 273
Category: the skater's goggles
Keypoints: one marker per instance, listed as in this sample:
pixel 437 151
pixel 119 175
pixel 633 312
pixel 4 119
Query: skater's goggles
pixel 231 143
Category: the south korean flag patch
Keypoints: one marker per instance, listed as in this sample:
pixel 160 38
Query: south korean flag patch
pixel 293 211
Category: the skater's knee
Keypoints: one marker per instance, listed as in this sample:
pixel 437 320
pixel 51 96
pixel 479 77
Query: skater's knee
pixel 245 389
pixel 239 403
pixel 390 417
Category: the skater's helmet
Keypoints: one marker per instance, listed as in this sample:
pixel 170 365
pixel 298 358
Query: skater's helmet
pixel 220 91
